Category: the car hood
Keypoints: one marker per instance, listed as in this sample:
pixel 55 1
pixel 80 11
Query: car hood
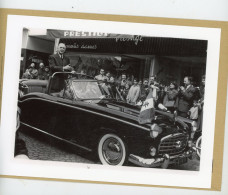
pixel 134 111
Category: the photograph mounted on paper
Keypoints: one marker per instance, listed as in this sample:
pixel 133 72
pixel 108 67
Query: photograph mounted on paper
pixel 111 99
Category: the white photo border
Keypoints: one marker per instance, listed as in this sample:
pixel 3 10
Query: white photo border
pixel 91 172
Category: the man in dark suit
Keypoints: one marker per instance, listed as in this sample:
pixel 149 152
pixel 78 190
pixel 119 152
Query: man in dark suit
pixel 186 96
pixel 59 62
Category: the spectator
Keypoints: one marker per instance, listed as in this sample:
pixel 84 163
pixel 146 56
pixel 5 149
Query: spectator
pixel 34 71
pixel 161 94
pixel 47 73
pixel 133 93
pixel 154 86
pixel 31 72
pixel 125 91
pixel 140 83
pixel 28 73
pixel 112 86
pixel 185 95
pixel 194 111
pixel 101 77
pixel 152 79
pixel 108 75
pixel 144 91
pixel 41 71
pixel 59 62
pixel 106 87
pixel 170 99
pixel 201 103
pixel 123 86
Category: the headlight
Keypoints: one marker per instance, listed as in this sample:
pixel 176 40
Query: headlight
pixel 155 130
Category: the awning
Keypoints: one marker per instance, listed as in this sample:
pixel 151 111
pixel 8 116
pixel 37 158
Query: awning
pixel 146 46
pixel 107 43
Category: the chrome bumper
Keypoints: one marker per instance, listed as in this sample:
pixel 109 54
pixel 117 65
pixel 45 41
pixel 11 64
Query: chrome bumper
pixel 163 161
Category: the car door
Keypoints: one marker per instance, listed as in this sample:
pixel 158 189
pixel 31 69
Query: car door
pixel 39 112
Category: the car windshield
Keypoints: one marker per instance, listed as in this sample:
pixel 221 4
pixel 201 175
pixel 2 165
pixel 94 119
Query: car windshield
pixel 89 90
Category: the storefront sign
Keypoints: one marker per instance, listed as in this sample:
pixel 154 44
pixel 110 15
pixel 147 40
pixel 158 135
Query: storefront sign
pixel 77 34
pixel 83 46
pixel 69 34
pixel 135 39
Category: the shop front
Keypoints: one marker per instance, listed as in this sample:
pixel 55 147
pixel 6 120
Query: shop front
pixel 137 56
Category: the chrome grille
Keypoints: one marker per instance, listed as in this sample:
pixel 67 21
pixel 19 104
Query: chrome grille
pixel 173 144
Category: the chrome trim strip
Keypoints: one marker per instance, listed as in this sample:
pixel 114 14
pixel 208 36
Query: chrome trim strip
pixel 171 135
pixel 56 137
pixel 93 112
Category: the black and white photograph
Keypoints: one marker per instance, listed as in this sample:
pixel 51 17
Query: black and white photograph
pixel 112 98
pixel 119 99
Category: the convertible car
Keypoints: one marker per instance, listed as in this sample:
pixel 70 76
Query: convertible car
pixel 84 113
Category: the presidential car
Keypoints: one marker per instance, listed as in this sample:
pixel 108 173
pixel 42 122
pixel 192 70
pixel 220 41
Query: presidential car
pixel 84 113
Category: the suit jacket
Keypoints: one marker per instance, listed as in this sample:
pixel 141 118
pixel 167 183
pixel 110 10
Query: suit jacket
pixel 171 95
pixel 56 63
pixel 186 99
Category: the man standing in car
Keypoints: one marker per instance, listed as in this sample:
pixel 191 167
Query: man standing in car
pixel 59 62
pixel 186 96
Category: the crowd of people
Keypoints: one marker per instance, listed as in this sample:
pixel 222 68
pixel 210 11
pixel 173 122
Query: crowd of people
pixel 42 73
pixel 186 100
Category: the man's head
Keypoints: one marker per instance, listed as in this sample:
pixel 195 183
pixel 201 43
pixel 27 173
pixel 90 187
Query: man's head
pixel 102 72
pixel 187 80
pixel 173 85
pixel 140 82
pixel 30 68
pixel 123 76
pixel 145 82
pixel 41 65
pixel 108 74
pixel 195 103
pixel 112 79
pixel 135 82
pixel 61 48
pixel 32 65
pixel 152 78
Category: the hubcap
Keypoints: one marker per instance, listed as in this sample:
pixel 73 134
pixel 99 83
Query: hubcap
pixel 112 151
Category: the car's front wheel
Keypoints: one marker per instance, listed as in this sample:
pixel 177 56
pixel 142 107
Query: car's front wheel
pixel 198 146
pixel 18 119
pixel 112 150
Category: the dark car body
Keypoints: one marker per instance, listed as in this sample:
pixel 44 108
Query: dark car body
pixel 104 125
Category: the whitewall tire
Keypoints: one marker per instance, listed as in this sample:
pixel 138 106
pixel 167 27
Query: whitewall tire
pixel 198 146
pixel 112 150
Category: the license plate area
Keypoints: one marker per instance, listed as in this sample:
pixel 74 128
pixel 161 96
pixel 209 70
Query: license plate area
pixel 180 160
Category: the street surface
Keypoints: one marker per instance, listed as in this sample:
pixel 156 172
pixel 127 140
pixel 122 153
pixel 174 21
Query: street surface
pixel 41 149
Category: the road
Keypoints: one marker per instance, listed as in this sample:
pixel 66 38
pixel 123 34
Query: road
pixel 41 149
